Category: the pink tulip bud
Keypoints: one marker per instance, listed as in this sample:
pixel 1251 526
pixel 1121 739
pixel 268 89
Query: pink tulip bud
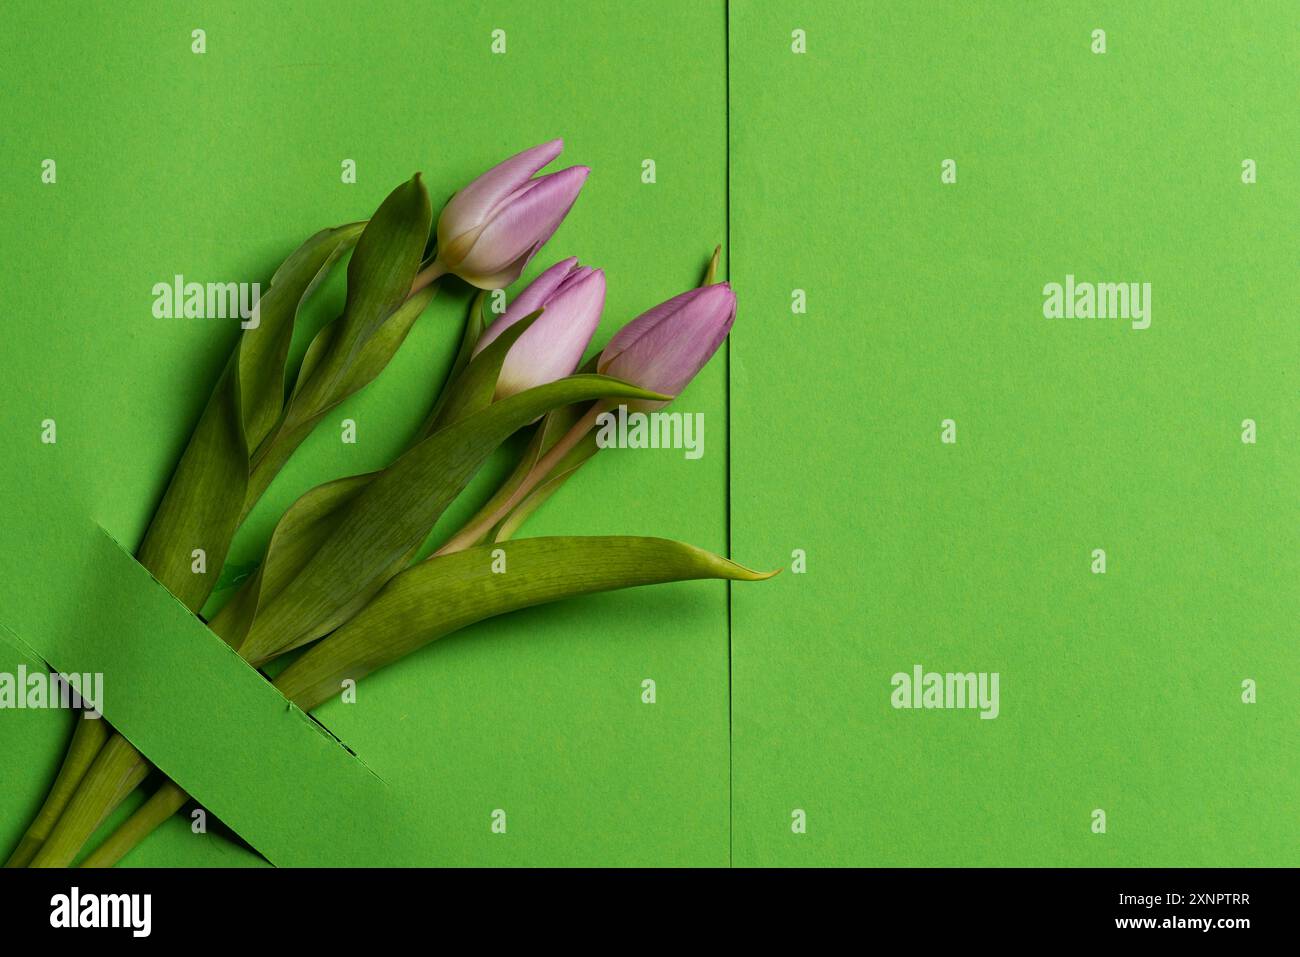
pixel 489 231
pixel 664 348
pixel 572 298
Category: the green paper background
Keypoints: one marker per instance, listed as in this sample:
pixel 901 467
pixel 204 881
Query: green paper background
pixel 1118 691
pixel 820 172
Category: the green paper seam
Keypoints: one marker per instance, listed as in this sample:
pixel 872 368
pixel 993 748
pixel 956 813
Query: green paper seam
pixel 217 727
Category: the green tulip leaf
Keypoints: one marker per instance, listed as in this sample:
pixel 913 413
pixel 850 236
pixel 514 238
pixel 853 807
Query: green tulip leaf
pixel 371 361
pixel 189 536
pixel 711 272
pixel 303 527
pixel 448 592
pixel 379 281
pixel 263 350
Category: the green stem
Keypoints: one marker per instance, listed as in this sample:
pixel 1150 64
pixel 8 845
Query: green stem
pixel 166 801
pixel 87 740
pixel 435 270
pixel 482 523
pixel 116 772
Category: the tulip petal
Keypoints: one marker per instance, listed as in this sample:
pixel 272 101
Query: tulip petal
pixel 477 201
pixel 527 221
pixel 642 324
pixel 503 276
pixel 664 348
pixel 553 346
pixel 533 297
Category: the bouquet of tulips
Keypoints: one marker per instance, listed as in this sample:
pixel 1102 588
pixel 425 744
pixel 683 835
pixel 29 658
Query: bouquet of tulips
pixel 340 572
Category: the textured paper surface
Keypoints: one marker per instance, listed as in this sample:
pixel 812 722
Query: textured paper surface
pixel 1120 692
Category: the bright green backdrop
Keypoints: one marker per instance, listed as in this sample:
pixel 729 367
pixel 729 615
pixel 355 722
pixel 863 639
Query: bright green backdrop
pixel 1120 692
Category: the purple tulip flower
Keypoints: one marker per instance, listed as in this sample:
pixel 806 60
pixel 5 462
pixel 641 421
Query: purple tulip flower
pixel 664 348
pixel 572 298
pixel 489 231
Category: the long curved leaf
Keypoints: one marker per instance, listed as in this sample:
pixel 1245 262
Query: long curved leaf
pixel 198 515
pixel 350 351
pixel 448 592
pixel 263 350
pixel 379 281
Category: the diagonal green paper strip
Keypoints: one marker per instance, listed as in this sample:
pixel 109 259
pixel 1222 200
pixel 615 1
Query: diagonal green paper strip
pixel 214 724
